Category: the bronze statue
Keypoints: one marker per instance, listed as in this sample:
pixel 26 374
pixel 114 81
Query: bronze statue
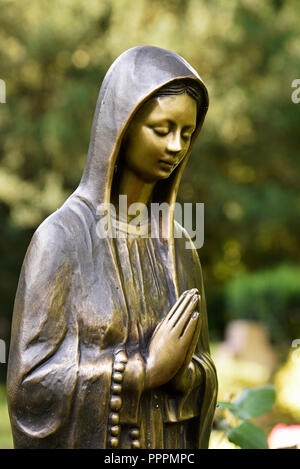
pixel 109 341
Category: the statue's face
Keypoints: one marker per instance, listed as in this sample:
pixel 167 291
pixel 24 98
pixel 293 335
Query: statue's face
pixel 159 136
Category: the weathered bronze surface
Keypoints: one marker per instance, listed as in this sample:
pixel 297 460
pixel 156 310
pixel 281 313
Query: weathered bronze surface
pixel 109 341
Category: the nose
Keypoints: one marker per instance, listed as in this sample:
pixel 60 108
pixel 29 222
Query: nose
pixel 174 143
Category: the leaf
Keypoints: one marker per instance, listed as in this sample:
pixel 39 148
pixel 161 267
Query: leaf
pixel 253 402
pixel 247 436
pixel 227 405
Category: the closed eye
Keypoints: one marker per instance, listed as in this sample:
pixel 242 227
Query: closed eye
pixel 162 131
pixel 187 132
pixel 186 136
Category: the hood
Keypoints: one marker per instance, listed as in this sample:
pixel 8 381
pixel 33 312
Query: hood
pixel 130 81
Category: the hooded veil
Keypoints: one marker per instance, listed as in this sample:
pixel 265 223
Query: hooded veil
pixel 86 306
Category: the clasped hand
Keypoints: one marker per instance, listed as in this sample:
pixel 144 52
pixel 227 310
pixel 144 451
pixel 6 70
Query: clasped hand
pixel 174 340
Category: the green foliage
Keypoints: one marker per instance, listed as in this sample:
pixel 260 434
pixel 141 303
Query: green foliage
pixel 270 296
pixel 251 403
pixel 5 430
pixel 247 436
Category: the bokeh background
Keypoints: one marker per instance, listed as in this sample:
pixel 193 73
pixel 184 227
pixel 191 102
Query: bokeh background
pixel 245 166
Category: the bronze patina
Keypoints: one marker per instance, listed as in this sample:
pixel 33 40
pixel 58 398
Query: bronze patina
pixel 110 341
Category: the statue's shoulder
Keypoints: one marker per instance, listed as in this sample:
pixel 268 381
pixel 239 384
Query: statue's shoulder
pixel 60 230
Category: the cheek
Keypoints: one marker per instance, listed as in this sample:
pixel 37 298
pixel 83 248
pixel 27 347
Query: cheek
pixel 183 153
pixel 151 144
pixel 143 148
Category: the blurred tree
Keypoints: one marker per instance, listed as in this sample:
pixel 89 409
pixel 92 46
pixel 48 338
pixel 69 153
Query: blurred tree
pixel 245 169
pixel 269 296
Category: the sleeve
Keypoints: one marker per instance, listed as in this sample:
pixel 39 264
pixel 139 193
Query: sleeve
pixel 42 366
pixel 132 389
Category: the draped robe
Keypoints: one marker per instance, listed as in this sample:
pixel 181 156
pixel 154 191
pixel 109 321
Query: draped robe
pixel 86 306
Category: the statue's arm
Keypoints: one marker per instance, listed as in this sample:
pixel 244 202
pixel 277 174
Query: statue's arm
pixel 42 360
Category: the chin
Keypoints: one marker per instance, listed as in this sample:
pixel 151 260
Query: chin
pixel 151 178
pixel 159 177
pixel 164 176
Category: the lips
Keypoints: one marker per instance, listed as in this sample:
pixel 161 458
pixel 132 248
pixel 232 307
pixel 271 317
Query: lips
pixel 169 163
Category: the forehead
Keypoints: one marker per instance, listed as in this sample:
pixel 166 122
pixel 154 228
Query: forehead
pixel 178 108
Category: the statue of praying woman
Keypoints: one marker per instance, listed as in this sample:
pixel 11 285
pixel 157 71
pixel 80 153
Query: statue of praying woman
pixel 109 344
